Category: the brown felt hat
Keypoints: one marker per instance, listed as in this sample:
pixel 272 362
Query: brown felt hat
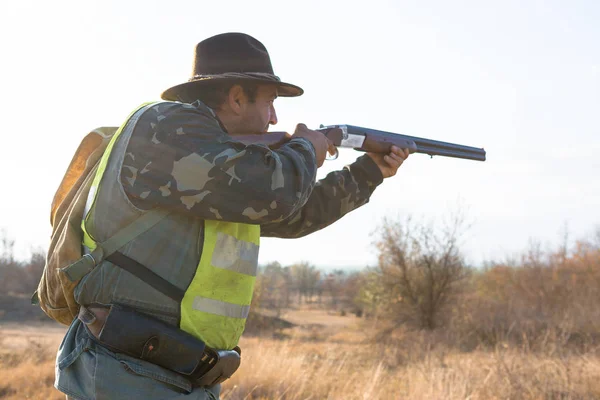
pixel 233 57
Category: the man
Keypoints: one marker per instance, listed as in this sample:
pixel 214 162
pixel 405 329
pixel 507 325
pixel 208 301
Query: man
pixel 220 196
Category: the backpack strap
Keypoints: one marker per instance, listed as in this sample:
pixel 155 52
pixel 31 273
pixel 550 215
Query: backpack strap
pixel 148 276
pixel 103 250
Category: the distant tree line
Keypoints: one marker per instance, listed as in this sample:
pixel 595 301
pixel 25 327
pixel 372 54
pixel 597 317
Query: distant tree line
pixel 422 282
pixel 19 276
pixel 283 287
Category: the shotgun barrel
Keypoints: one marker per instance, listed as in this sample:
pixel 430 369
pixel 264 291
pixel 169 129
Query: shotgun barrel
pixel 372 140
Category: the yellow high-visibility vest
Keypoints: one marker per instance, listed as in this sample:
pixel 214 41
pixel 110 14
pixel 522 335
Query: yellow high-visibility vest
pixel 217 301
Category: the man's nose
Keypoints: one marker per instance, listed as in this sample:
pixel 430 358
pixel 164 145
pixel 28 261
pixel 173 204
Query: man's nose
pixel 273 120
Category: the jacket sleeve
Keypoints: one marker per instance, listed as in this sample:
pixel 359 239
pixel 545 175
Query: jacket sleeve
pixel 333 197
pixel 179 157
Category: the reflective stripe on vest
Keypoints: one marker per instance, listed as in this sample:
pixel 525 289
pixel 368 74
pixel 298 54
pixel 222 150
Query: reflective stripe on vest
pixel 217 301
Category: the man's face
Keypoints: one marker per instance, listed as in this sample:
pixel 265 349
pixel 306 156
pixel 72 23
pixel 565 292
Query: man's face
pixel 257 116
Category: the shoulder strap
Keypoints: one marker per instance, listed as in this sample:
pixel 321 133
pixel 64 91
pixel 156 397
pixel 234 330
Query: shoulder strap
pixel 145 274
pixel 107 250
pixel 85 264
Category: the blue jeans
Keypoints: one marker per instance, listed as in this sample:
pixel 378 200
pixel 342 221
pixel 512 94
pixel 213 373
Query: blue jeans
pixel 86 370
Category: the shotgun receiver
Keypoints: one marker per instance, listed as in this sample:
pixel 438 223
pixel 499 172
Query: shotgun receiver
pixel 371 140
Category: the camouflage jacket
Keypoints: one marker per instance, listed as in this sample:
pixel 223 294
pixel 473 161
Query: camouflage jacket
pixel 180 157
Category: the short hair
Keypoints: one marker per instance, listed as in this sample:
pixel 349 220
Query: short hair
pixel 214 95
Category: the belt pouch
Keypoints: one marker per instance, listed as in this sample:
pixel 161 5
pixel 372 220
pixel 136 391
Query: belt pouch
pixel 228 361
pixel 147 338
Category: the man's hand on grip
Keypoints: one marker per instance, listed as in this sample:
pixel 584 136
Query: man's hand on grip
pixel 319 141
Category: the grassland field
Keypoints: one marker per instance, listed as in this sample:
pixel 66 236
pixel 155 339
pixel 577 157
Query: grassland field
pixel 328 356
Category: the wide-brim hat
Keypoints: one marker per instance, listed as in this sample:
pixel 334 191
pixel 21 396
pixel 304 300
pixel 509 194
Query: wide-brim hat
pixel 230 57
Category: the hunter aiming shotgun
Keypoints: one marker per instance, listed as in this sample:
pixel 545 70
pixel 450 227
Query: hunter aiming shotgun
pixel 372 140
pixel 157 224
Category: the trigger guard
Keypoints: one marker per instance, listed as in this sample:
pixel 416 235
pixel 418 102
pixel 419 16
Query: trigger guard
pixel 330 157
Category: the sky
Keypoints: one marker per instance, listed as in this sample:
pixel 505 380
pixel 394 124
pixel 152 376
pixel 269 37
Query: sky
pixel 518 78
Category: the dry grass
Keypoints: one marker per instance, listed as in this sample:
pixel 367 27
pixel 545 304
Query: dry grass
pixel 27 362
pixel 344 367
pixel 329 362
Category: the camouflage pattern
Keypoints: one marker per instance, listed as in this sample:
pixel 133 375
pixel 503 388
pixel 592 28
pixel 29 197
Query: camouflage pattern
pixel 180 157
pixel 332 197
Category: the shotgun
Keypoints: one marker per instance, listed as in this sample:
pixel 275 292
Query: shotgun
pixel 372 140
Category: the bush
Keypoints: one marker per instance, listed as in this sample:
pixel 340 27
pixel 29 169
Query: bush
pixel 419 274
pixel 543 302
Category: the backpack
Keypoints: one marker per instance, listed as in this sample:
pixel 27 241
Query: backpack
pixel 66 264
pixel 55 290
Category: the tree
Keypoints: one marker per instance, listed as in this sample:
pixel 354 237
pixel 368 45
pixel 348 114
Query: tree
pixel 9 268
pixel 7 248
pixel 19 276
pixel 305 278
pixel 420 269
pixel 272 288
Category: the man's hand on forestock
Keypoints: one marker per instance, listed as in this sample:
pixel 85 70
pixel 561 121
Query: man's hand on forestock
pixel 389 163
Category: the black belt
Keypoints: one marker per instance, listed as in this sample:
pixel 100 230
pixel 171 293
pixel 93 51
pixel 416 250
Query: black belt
pixel 124 330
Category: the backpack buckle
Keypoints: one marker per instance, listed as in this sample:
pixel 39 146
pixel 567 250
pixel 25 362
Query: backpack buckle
pixel 83 266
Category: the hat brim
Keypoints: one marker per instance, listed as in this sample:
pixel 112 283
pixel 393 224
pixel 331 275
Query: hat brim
pixel 186 92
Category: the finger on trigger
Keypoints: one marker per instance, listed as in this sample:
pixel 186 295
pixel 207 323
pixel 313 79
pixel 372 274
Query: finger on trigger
pixel 331 147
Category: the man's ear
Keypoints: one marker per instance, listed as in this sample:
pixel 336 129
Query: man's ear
pixel 237 99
